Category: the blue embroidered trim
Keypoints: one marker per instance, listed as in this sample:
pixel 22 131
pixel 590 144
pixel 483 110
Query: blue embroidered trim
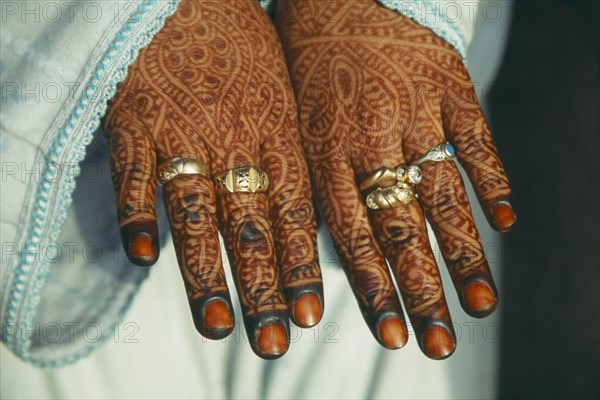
pixel 40 216
pixel 431 17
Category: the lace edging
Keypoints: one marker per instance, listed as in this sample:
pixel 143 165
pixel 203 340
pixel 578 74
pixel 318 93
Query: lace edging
pixel 53 218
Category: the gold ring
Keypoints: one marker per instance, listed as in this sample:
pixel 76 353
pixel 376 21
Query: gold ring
pixel 381 178
pixel 390 197
pixel 181 166
pixel 392 187
pixel 386 177
pixel 245 180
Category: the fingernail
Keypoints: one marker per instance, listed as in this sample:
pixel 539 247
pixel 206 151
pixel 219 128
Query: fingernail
pixel 437 343
pixel 272 340
pixel 478 297
pixel 141 248
pixel 392 333
pixel 307 310
pixel 503 214
pixel 217 316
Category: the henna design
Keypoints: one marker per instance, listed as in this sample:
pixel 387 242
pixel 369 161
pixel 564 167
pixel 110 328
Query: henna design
pixel 133 177
pixel 374 90
pixel 213 86
pixel 477 153
pixel 294 226
pixel 363 262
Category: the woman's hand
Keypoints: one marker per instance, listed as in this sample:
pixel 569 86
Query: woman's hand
pixel 375 90
pixel 213 86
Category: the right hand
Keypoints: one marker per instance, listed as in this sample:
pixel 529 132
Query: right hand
pixel 213 86
pixel 374 90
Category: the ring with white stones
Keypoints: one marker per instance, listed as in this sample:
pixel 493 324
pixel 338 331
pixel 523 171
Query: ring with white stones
pixel 387 177
pixel 391 187
pixel 442 152
pixel 390 197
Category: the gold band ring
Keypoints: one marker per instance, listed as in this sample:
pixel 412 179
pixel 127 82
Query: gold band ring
pixel 381 178
pixel 386 177
pixel 245 180
pixel 391 187
pixel 181 166
pixel 390 197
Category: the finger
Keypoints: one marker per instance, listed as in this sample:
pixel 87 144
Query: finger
pixel 446 205
pixel 402 235
pixel 466 127
pixel 346 216
pixel 294 227
pixel 246 227
pixel 133 162
pixel 191 208
pixel 190 203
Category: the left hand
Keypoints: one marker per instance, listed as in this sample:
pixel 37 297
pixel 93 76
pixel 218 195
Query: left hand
pixel 375 90
pixel 213 87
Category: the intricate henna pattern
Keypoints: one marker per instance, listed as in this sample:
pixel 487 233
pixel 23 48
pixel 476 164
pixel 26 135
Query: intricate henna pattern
pixel 375 89
pixel 213 86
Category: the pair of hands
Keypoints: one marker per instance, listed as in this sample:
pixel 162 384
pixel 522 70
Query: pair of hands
pixel 373 90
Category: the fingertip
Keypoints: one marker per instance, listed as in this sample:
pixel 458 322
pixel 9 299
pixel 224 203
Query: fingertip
pixel 437 342
pixel 140 241
pixel 503 216
pixel 272 341
pixel 141 251
pixel 217 317
pixel 307 310
pixel 479 300
pixel 212 317
pixel 392 333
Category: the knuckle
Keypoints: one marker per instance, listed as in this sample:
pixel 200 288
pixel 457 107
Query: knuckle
pixel 443 194
pixel 465 256
pixel 359 244
pixel 475 147
pixel 133 210
pixel 237 207
pixel 294 212
pixel 447 204
pixel 301 273
pixel 379 298
pixel 297 247
pixel 397 234
pixel 251 235
pixel 191 208
pixel 252 240
pixel 489 180
pixel 131 173
pixel 425 304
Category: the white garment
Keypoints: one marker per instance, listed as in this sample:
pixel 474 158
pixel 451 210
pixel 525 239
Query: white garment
pixel 59 65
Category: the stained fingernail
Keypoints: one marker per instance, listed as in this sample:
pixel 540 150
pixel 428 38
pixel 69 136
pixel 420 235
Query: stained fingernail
pixel 504 216
pixel 392 333
pixel 272 340
pixel 478 297
pixel 141 248
pixel 437 342
pixel 307 310
pixel 217 316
